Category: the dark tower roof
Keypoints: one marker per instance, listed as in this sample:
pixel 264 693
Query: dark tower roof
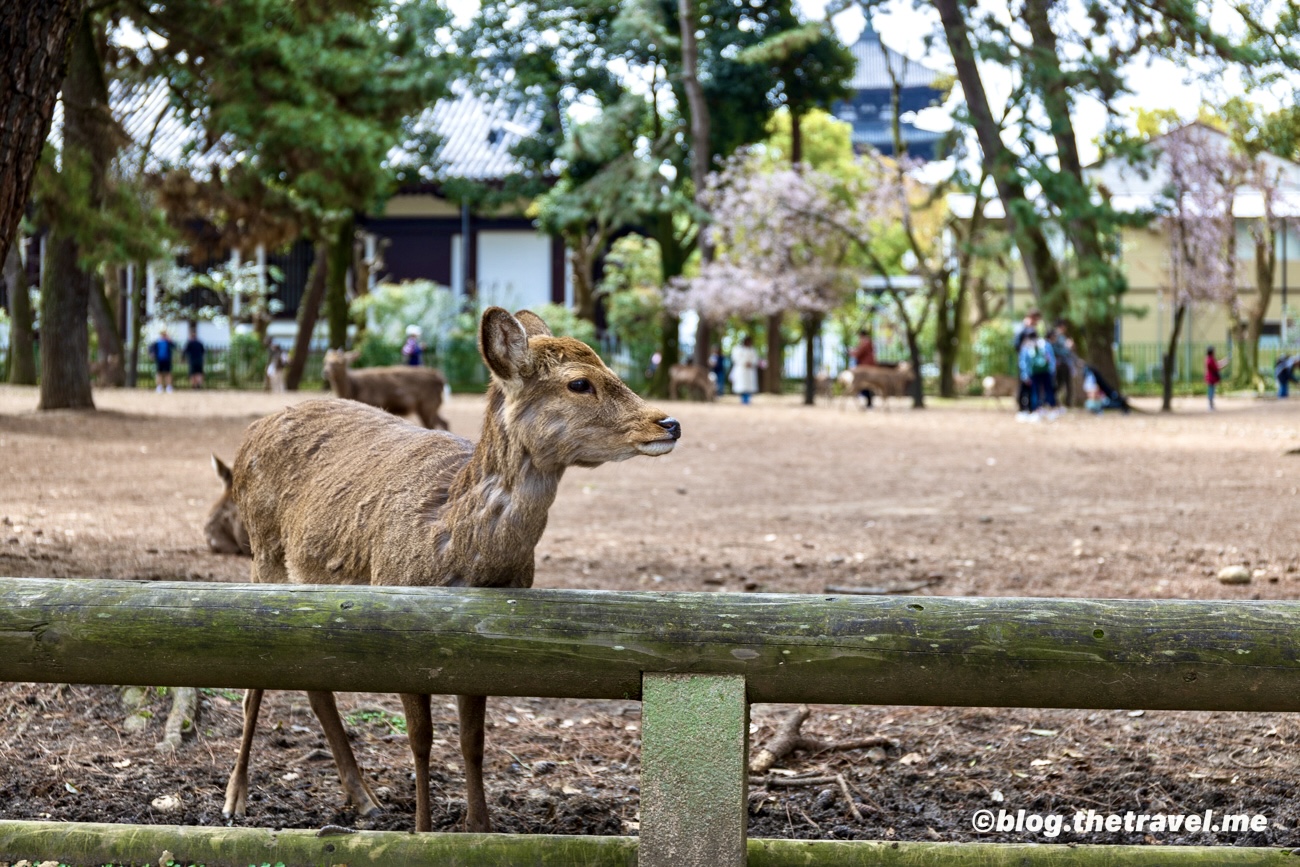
pixel 869 109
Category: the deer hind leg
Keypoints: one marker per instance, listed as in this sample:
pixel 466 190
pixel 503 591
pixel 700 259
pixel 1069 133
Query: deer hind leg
pixel 473 713
pixel 430 417
pixel 237 787
pixel 322 704
pixel 419 732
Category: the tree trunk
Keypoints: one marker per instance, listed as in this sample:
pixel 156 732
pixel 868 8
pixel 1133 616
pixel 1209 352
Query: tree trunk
pixel 336 285
pixel 65 296
pixel 65 339
pixel 772 379
pixel 135 324
pixel 111 351
pixel 701 150
pixel 22 354
pixel 308 311
pixel 1253 324
pixel 1095 265
pixel 1000 162
pixel 1170 360
pixel 812 329
pixel 947 313
pixel 913 350
pixel 34 40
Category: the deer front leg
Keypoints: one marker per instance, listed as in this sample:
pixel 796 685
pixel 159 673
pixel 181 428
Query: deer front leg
pixel 473 712
pixel 322 704
pixel 419 732
pixel 237 787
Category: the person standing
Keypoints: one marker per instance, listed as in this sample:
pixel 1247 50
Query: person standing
pixel 1027 325
pixel 1284 370
pixel 412 352
pixel 1038 371
pixel 193 353
pixel 161 351
pixel 864 353
pixel 744 369
pixel 1213 373
pixel 1066 361
pixel 718 367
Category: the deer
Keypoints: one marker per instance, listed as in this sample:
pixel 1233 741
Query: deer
pixel 998 386
pixel 400 389
pixel 884 382
pixel 224 530
pixel 336 492
pixel 691 377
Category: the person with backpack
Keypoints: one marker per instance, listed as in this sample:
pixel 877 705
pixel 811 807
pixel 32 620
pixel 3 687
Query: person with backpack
pixel 1038 371
pixel 1284 370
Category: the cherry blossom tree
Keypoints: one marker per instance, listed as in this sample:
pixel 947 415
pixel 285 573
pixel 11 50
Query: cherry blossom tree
pixel 777 245
pixel 1202 234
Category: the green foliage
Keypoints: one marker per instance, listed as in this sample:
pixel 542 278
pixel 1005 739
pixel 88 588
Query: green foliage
pixel 394 723
pixel 994 353
pixel 390 308
pixel 313 96
pixel 114 225
pixel 633 299
pixel 564 322
pixel 374 351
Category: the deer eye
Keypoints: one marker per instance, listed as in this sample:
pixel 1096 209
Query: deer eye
pixel 581 386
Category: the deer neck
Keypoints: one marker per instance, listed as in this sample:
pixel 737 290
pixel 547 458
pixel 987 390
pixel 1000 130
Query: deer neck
pixel 496 509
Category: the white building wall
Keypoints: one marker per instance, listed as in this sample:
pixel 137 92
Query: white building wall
pixel 514 268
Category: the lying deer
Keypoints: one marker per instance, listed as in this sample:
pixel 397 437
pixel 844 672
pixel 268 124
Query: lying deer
pixel 333 492
pixel 401 389
pixel 224 530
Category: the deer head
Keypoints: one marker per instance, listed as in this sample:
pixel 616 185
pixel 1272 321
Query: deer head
pixel 224 529
pixel 559 401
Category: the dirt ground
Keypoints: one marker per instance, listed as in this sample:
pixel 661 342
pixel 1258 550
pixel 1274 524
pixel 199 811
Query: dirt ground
pixel 774 497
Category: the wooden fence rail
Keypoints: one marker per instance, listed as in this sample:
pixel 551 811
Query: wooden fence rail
pixel 696 660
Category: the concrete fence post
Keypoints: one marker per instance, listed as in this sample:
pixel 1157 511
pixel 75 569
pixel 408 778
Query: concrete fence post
pixel 694 786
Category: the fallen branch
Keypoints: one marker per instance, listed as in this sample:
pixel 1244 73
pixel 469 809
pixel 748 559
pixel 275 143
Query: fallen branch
pixel 893 590
pixel 788 739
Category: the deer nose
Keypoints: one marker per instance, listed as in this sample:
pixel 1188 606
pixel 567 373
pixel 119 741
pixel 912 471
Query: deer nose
pixel 672 425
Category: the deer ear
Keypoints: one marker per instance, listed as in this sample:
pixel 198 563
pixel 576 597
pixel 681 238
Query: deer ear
pixel 533 324
pixel 503 343
pixel 223 472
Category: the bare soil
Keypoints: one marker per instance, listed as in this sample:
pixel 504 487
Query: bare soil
pixel 774 497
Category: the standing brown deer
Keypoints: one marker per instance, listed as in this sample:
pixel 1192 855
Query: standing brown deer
pixel 333 492
pixel 400 389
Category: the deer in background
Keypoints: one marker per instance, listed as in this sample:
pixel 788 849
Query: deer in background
pixel 691 377
pixel 333 492
pixel 400 389
pixel 223 529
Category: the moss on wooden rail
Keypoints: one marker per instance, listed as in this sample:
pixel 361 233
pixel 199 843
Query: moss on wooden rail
pixel 1187 655
pixel 94 844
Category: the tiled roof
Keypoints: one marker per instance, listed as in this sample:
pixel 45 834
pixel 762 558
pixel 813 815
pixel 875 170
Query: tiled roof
pixel 477 135
pixel 875 60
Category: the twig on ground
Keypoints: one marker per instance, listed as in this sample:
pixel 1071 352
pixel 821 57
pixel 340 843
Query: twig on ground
pixel 848 797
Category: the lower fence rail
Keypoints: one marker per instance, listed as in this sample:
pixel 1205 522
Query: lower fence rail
pixel 187 846
pixel 695 660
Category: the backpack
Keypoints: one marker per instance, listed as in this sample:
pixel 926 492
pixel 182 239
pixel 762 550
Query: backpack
pixel 1038 362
